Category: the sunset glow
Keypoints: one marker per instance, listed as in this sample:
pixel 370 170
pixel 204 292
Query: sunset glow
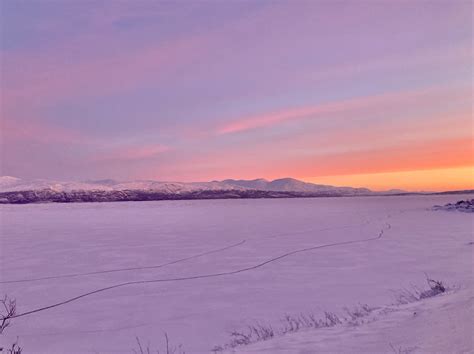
pixel 447 179
pixel 328 92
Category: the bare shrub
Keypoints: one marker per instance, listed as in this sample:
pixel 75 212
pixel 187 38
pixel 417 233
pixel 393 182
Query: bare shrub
pixel 332 319
pixel 239 338
pixel 14 349
pixel 357 312
pixel 401 350
pixel 262 332
pixel 436 287
pixel 290 323
pixel 407 296
pixel 254 333
pixel 141 350
pixel 8 311
pixel 414 294
pixel 218 349
pixel 168 348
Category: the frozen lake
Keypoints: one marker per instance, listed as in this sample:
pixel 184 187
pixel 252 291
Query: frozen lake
pixel 48 250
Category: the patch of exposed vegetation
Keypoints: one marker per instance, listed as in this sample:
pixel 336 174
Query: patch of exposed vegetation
pixel 258 332
pixel 414 294
pixel 7 313
pixel 168 348
pixel 466 206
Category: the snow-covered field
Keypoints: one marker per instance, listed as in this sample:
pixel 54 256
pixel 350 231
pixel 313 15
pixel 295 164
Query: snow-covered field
pixel 205 272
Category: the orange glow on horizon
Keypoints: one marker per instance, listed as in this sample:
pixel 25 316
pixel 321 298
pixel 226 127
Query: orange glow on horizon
pixel 444 179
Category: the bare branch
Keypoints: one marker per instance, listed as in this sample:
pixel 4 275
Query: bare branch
pixel 8 312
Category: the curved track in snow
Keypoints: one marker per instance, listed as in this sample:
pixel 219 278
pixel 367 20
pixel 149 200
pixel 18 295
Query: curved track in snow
pixel 209 275
pixel 73 275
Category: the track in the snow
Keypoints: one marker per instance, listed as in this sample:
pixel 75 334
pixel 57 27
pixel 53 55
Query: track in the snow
pixel 203 276
pixel 73 275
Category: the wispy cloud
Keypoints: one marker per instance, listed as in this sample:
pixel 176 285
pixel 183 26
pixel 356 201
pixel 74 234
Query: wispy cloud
pixel 346 106
pixel 130 153
pixel 34 130
pixel 48 79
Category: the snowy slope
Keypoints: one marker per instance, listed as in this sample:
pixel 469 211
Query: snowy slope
pixel 442 324
pixel 92 246
pixel 9 184
pixel 294 185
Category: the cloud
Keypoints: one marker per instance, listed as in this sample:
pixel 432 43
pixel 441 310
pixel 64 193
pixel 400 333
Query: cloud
pixel 33 130
pixel 130 153
pixel 348 106
pixel 49 79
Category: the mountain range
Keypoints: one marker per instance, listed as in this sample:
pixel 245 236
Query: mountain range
pixel 15 190
pixel 12 184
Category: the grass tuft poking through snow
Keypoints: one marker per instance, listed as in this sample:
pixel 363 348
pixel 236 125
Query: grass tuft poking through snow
pixel 291 324
pixel 168 347
pixel 14 349
pixel 407 296
pixel 353 317
pixel 401 350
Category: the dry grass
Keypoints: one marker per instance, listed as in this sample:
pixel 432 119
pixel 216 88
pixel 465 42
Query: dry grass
pixel 168 348
pixel 290 324
pixel 14 349
pixel 414 294
pixel 352 316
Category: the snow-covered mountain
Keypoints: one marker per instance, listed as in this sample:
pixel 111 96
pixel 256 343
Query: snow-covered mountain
pixel 294 185
pixel 9 184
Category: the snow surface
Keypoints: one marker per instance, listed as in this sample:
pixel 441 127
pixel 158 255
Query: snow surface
pixel 354 266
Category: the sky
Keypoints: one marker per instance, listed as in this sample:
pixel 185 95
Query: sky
pixel 358 93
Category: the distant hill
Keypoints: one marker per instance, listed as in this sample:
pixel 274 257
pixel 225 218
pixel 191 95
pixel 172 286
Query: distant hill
pixel 10 184
pixel 294 185
pixel 19 191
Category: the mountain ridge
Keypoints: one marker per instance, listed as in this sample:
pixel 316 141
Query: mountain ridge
pixel 16 191
pixel 12 184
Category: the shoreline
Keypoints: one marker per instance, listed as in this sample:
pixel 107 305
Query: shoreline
pixel 100 196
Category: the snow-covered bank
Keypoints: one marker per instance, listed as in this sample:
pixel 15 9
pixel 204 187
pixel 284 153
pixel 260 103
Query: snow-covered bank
pixel 326 253
pixel 442 324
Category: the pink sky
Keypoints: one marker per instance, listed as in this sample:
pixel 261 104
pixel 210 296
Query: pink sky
pixel 213 90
